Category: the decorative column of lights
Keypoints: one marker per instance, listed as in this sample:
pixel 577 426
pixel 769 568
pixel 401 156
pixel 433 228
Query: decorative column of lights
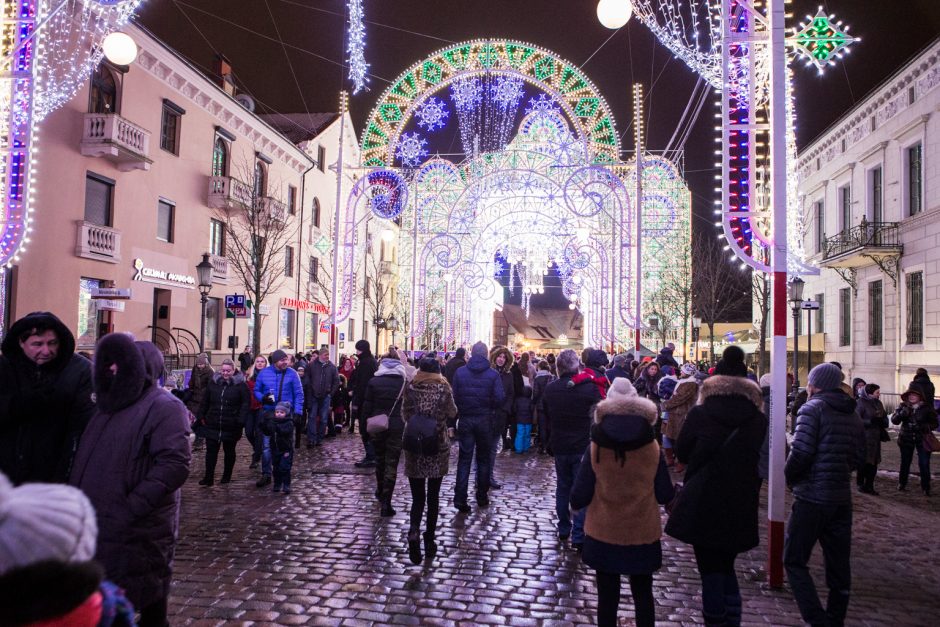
pixel 356 45
pixel 48 51
pixel 638 123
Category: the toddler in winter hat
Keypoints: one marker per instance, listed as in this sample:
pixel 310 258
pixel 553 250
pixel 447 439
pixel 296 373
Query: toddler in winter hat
pixel 283 409
pixel 44 521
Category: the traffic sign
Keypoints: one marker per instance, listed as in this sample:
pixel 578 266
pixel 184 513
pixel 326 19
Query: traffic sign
pixel 810 304
pixel 236 306
pixel 234 300
pixel 111 293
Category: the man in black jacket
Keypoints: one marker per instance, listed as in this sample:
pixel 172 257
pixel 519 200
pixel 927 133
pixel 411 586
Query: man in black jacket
pixel 45 400
pixel 321 380
pixel 457 361
pixel 365 370
pixel 829 444
pixel 568 408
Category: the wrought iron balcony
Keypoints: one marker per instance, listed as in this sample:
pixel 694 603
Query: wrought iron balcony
pixel 101 243
pixel 855 247
pixel 226 192
pixel 110 136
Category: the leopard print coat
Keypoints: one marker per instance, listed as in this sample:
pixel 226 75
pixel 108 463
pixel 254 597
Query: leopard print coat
pixel 429 394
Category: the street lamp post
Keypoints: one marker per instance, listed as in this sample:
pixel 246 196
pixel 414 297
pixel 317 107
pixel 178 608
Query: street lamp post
pixel 392 325
pixel 696 327
pixel 204 276
pixel 796 301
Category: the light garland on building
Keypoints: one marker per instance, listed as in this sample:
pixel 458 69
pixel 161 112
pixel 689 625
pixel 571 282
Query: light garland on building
pixel 356 45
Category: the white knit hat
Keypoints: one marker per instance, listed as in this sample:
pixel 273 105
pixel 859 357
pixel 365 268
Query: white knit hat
pixel 621 388
pixel 44 521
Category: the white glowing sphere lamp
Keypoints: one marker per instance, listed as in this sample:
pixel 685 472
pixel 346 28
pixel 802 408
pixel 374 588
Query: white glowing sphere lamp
pixel 614 14
pixel 119 48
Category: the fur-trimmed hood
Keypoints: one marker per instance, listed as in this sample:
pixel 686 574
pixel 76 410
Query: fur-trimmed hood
pixel 153 360
pixel 12 350
pixel 116 391
pixel 726 385
pixel 501 350
pixel 625 406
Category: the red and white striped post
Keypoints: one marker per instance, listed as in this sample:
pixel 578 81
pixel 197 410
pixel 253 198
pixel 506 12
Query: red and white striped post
pixel 778 353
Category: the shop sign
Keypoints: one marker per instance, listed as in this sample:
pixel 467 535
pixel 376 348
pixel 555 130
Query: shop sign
pixel 109 305
pixel 304 305
pixel 111 293
pixel 163 277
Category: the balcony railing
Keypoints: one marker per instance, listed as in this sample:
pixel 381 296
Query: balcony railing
pixel 226 192
pixel 115 138
pixel 219 269
pixel 98 242
pixel 274 207
pixel 880 235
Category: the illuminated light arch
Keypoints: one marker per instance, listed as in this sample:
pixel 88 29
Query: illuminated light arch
pixel 563 81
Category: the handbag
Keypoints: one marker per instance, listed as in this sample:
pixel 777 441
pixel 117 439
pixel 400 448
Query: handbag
pixel 884 436
pixel 931 443
pixel 421 435
pixel 379 423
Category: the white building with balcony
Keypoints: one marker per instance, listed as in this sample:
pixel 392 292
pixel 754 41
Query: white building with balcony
pixel 135 176
pixel 870 193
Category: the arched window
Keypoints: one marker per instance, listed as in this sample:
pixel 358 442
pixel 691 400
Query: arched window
pixel 103 97
pixel 220 157
pixel 261 179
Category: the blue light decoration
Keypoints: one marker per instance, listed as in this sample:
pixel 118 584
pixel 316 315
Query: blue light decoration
pixel 356 45
pixel 432 115
pixel 411 149
pixel 542 104
pixel 507 91
pixel 386 191
pixel 467 93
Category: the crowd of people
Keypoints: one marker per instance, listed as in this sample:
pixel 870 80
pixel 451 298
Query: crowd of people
pixel 626 435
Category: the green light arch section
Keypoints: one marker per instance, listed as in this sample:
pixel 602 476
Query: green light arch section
pixel 588 110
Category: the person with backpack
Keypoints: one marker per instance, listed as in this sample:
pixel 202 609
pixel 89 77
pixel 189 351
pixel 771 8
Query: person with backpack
pixel 430 417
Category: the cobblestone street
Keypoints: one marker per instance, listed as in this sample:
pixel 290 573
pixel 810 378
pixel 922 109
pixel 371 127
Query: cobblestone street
pixel 323 556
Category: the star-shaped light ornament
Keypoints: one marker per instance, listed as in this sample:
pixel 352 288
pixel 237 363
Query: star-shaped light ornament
pixel 822 40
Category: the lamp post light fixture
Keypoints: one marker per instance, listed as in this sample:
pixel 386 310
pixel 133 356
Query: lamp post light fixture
pixel 795 290
pixel 204 276
pixel 392 325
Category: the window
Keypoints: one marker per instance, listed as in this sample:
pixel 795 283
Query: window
pixel 845 207
pixel 915 308
pixel 875 195
pixel 914 179
pixel 845 316
pixel 382 250
pixel 310 338
pixel 819 208
pixel 170 127
pixel 87 335
pixel 286 328
pixel 261 179
pixel 217 238
pixel 875 313
pixel 316 212
pixel 314 268
pixel 165 212
pixel 99 193
pixel 212 323
pixel 288 261
pixel 911 95
pixel 351 333
pixel 220 157
pixel 820 314
pixel 103 96
pixel 291 200
pixel 321 158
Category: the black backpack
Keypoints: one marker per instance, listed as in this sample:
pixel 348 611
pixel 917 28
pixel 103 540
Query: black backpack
pixel 420 435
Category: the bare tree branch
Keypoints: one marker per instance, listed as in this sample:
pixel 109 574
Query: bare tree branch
pixel 714 294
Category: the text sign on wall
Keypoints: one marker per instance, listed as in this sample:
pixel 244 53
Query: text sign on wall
pixel 162 277
pixel 305 305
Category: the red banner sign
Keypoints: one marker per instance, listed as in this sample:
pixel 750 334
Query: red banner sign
pixel 304 305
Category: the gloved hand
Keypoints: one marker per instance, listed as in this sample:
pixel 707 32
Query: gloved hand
pixel 267 399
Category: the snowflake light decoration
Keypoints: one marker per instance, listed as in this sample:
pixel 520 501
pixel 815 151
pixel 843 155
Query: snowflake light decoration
pixel 432 115
pixel 411 149
pixel 507 91
pixel 467 93
pixel 822 41
pixel 358 68
pixel 543 103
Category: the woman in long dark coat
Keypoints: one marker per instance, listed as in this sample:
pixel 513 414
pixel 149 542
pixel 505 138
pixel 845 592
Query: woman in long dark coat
pixel 383 396
pixel 428 394
pixel 131 462
pixel 716 511
pixel 225 409
pixel 875 419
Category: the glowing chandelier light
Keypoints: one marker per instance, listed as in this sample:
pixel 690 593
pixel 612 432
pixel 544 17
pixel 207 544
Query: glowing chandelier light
pixel 356 45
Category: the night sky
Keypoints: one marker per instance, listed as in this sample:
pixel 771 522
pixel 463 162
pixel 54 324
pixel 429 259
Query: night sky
pixel 249 34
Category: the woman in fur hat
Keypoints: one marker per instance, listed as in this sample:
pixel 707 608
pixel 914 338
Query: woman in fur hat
pixel 621 485
pixel 428 394
pixel 916 418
